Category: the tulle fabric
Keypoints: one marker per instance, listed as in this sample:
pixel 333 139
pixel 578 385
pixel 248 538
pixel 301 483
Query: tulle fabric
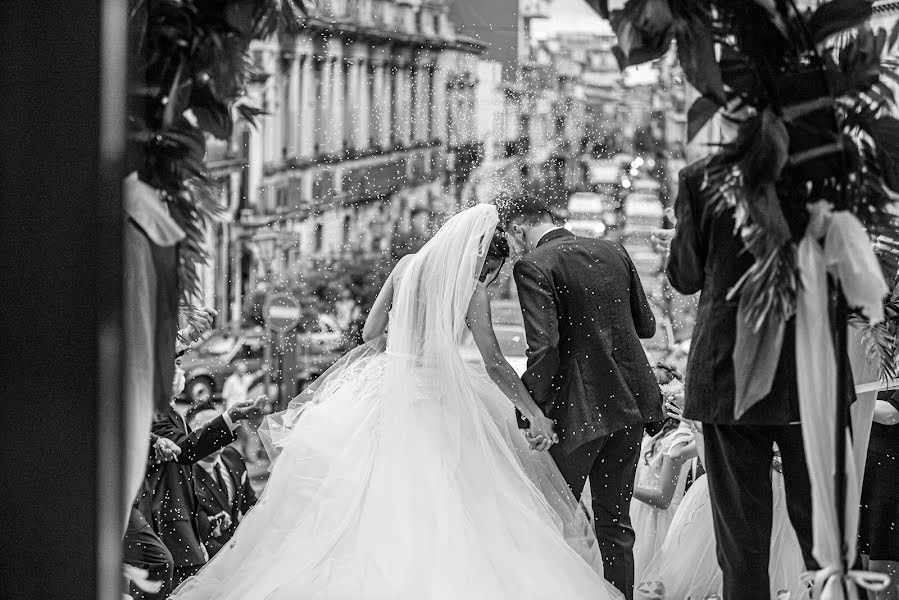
pixel 649 522
pixel 401 474
pixel 686 565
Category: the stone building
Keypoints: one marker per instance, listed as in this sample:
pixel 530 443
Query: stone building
pixel 370 113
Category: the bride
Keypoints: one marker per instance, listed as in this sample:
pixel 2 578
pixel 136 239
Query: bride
pixel 400 474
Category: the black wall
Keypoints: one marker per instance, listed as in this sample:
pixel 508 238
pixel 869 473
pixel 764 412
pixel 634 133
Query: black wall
pixel 60 141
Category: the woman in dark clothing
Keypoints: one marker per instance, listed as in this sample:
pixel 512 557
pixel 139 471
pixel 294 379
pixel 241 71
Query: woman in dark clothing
pixel 879 519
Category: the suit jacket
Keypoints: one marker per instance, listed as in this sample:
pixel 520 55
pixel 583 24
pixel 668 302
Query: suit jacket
pixel 214 500
pixel 171 505
pixel 584 314
pixel 708 255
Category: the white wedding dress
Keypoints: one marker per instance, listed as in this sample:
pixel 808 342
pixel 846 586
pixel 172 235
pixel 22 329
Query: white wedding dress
pixel 401 473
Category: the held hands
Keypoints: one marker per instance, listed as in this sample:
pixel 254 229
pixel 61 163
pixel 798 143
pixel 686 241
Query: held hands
pixel 541 434
pixel 166 450
pixel 248 409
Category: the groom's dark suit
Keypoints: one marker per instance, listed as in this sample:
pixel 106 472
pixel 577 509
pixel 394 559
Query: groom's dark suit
pixel 584 313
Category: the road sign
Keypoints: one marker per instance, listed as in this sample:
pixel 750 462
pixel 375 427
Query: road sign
pixel 282 312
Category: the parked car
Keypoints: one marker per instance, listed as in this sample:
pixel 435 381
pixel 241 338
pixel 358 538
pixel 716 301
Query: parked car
pixel 308 351
pixel 644 213
pixel 588 214
pixel 209 363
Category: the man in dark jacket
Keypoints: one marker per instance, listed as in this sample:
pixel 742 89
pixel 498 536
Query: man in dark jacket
pixel 170 503
pixel 222 485
pixel 584 314
pixel 708 255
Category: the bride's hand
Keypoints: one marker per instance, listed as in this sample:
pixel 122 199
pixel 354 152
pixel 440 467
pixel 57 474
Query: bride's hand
pixel 541 435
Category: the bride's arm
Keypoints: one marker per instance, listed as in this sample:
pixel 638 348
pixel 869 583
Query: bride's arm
pixel 376 322
pixel 498 368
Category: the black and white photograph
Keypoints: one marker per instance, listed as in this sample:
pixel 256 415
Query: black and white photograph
pixel 449 300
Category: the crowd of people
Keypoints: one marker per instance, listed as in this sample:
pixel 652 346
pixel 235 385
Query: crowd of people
pixel 675 550
pixel 196 489
pixel 720 506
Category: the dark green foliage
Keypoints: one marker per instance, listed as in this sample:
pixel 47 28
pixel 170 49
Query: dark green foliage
pixel 188 71
pixel 816 121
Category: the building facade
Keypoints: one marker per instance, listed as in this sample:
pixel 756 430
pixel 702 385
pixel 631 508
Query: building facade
pixel 370 115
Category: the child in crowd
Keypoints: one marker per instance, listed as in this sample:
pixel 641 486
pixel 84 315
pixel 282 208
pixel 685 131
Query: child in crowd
pixel 685 567
pixel 662 474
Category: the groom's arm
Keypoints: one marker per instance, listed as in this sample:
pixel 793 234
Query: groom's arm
pixel 541 324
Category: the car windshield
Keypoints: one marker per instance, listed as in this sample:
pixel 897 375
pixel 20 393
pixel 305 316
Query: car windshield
pixel 217 345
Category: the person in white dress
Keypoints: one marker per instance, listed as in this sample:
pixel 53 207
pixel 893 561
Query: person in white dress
pixel 400 474
pixel 686 565
pixel 659 488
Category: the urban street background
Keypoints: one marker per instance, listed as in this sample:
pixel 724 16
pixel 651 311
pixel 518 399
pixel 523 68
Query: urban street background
pixel 382 119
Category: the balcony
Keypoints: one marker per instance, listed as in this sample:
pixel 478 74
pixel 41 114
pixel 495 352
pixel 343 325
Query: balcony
pixel 519 147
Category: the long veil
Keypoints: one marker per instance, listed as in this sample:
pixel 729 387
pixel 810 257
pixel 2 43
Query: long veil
pixel 427 319
pixel 432 397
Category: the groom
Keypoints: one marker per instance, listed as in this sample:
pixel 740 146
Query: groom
pixel 584 314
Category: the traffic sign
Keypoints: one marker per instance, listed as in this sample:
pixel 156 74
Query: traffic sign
pixel 282 312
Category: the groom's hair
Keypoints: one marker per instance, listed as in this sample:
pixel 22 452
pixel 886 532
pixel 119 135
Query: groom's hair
pixel 523 209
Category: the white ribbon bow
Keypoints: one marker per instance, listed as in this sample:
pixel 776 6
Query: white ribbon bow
pixel 847 253
pixel 827 583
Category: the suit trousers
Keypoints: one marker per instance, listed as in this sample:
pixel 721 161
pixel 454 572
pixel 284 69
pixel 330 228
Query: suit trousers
pixel 610 463
pixel 738 465
pixel 144 549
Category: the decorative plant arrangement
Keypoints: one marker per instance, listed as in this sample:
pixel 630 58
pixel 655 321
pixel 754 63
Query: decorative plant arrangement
pixel 187 80
pixel 810 92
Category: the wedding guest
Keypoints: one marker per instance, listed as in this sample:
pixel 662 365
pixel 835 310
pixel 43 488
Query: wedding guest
pixel 222 486
pixel 662 474
pixel 346 309
pixel 235 391
pixel 708 255
pixel 171 504
pixel 237 386
pixel 142 547
pixel 685 566
pixel 879 518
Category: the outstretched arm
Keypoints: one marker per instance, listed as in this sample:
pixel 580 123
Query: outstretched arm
pixel 197 444
pixel 498 368
pixel 376 322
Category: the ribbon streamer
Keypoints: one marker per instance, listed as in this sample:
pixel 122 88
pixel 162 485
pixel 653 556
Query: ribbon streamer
pixel 848 255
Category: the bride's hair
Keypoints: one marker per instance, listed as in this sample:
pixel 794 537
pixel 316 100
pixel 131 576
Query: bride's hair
pixel 498 250
pixel 499 245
